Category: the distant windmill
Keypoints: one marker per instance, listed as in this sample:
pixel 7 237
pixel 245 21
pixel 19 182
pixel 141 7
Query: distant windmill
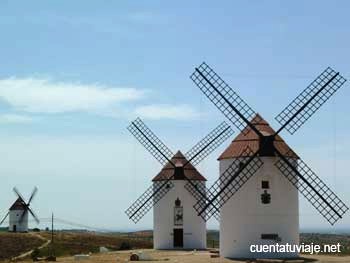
pixel 263 209
pixel 18 213
pixel 175 190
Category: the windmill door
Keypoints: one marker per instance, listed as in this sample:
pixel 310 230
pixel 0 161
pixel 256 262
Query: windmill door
pixel 178 237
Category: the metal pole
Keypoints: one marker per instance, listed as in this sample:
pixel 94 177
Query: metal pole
pixel 52 246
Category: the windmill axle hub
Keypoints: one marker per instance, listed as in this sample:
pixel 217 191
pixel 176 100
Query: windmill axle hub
pixel 179 173
pixel 266 146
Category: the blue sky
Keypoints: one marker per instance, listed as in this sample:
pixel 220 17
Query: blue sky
pixel 74 74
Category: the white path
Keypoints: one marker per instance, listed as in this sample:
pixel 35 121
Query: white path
pixel 26 254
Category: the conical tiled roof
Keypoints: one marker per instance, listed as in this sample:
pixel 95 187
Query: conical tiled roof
pixel 248 138
pixel 18 205
pixel 179 160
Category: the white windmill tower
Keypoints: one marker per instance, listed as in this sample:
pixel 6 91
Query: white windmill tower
pixel 175 190
pixel 267 201
pixel 257 190
pixel 18 213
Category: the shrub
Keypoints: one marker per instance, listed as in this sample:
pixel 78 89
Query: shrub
pixel 125 246
pixel 35 254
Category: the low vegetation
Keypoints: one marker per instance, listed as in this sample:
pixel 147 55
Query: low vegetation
pixel 67 243
pixel 213 239
pixel 14 244
pixel 71 243
pixel 328 239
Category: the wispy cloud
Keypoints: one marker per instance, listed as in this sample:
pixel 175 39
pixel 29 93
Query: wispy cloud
pixel 28 97
pixel 166 111
pixel 33 95
pixel 15 119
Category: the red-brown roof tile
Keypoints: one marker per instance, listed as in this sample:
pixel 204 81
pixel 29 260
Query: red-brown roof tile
pixel 18 205
pixel 179 159
pixel 248 138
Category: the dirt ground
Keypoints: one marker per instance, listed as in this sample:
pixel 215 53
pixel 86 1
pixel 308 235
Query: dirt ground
pixel 186 257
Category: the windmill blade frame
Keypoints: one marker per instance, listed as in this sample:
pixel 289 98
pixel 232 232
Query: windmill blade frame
pixel 236 110
pixel 18 194
pixel 155 146
pixel 326 202
pixel 25 212
pixel 34 192
pixel 34 215
pixel 198 191
pixel 208 144
pixel 229 182
pixel 148 199
pixel 2 221
pixel 150 141
pixel 199 152
pixel 310 100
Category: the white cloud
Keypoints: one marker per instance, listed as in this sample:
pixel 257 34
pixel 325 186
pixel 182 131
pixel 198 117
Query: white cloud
pixel 35 95
pixel 15 118
pixel 166 111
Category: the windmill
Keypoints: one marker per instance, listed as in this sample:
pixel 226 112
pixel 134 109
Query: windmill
pixel 264 209
pixel 175 189
pixel 18 212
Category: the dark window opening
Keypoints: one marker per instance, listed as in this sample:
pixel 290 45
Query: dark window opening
pixel 265 185
pixel 270 236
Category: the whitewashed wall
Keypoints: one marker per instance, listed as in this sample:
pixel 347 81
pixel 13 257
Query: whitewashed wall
pixel 244 218
pixel 163 217
pixel 15 216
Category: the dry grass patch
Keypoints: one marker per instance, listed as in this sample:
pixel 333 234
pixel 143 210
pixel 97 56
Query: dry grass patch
pixel 14 244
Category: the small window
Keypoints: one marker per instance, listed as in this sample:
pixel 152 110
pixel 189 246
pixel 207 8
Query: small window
pixel 270 236
pixel 265 185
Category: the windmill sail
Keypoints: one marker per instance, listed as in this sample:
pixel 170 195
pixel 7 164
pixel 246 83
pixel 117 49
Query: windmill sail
pixel 209 143
pixel 150 141
pixel 175 167
pixel 235 109
pixel 310 100
pixel 291 118
pixel 326 202
pixel 148 199
pixel 234 177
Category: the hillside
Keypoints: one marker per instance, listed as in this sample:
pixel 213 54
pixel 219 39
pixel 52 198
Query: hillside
pixel 12 244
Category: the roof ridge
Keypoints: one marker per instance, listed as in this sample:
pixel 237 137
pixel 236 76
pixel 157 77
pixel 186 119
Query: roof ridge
pixel 190 170
pixel 248 138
